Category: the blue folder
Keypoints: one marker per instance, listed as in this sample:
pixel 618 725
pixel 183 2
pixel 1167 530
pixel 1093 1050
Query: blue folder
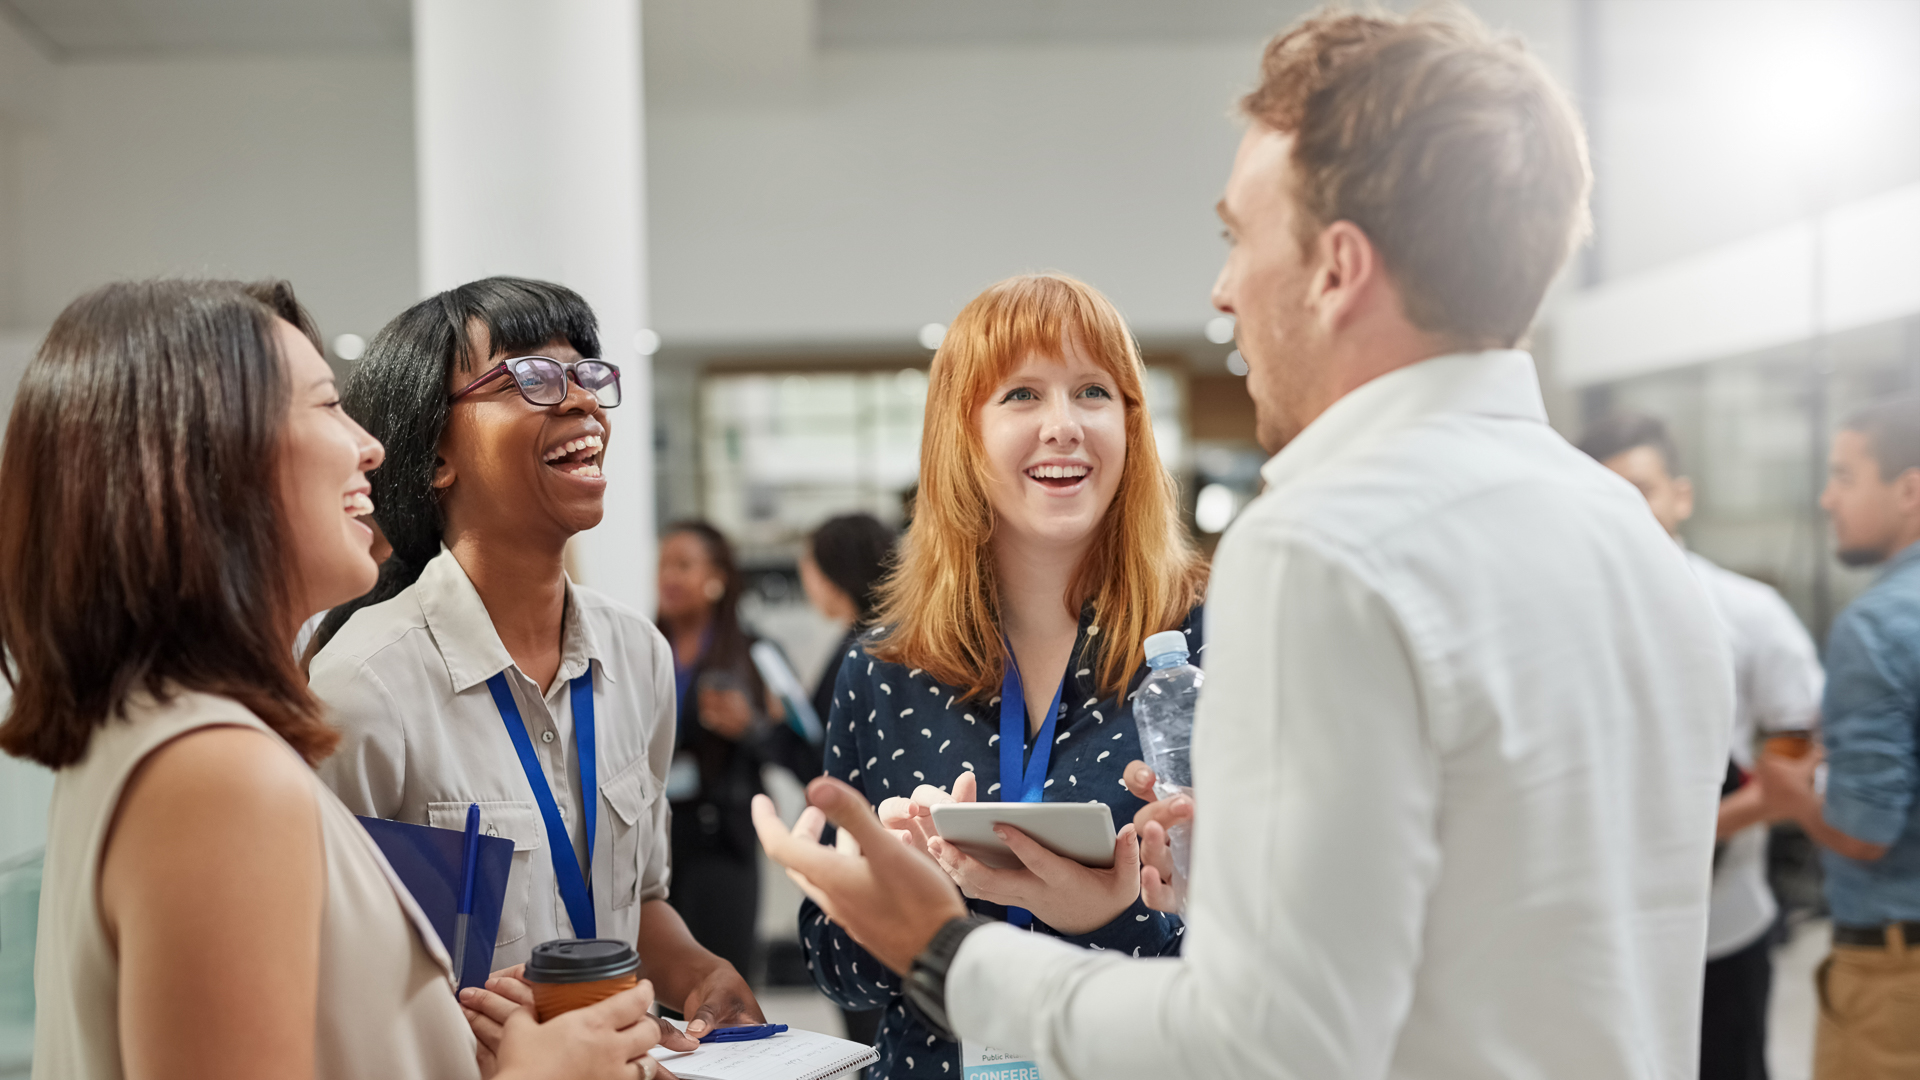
pixel 430 862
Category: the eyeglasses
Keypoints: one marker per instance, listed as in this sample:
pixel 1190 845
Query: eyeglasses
pixel 542 380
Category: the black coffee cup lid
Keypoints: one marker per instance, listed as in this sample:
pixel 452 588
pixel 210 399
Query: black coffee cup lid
pixel 572 960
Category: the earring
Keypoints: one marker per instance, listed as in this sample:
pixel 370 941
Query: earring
pixel 715 589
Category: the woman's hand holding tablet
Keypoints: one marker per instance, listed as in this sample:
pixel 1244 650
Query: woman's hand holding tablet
pixel 1062 893
pixel 911 819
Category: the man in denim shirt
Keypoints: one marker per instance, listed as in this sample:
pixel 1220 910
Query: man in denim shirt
pixel 1869 821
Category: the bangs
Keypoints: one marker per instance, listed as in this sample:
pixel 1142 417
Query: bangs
pixel 1034 315
pixel 521 316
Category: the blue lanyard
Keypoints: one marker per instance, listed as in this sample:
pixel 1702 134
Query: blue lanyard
pixel 1029 784
pixel 575 891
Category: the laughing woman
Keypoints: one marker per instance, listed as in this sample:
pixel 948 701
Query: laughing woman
pixel 476 671
pixel 1046 545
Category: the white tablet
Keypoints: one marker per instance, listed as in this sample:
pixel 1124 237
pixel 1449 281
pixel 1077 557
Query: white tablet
pixel 1081 831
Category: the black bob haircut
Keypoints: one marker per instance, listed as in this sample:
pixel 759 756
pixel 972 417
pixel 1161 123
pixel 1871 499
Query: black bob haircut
pixel 1615 435
pixel 398 392
pixel 854 552
pixel 1892 428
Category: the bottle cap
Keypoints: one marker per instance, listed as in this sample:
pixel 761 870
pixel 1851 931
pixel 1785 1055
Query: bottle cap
pixel 574 960
pixel 1165 643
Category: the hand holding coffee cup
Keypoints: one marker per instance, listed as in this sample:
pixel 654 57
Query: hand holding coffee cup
pixel 609 1038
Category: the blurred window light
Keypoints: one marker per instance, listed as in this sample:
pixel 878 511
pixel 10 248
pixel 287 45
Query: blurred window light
pixel 646 342
pixel 1220 329
pixel 1800 82
pixel 1213 511
pixel 932 334
pixel 912 382
pixel 349 347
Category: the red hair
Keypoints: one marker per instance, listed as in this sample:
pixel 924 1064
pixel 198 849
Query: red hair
pixel 939 608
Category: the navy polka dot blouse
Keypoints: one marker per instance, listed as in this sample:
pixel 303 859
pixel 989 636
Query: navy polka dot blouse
pixel 892 729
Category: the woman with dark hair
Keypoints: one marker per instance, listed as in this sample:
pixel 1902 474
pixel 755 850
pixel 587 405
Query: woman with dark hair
pixel 476 671
pixel 840 570
pixel 726 733
pixel 178 491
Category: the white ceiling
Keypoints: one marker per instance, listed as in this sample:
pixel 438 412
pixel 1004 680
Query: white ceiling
pixel 85 29
pixel 857 23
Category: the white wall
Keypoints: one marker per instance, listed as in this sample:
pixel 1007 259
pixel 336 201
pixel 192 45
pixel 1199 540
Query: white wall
pixel 857 193
pixel 1720 121
pixel 299 167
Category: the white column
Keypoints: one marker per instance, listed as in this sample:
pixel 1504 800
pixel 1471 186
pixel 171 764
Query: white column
pixel 530 141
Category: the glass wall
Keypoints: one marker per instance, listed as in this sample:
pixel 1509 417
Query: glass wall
pixel 1752 432
pixel 780 453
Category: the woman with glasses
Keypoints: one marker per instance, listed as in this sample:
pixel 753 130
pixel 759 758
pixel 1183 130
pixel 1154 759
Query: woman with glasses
pixel 179 489
pixel 475 671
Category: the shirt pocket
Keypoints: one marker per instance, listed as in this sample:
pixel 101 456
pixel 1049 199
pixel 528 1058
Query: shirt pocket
pixel 518 822
pixel 630 798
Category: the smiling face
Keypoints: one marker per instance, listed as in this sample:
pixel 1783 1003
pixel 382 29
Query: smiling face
pixel 324 461
pixel 1054 432
pixel 513 467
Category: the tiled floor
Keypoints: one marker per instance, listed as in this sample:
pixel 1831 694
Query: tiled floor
pixel 1790 1019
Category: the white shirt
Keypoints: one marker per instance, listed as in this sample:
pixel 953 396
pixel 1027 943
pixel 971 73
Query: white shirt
pixel 1456 763
pixel 405 681
pixel 1777 683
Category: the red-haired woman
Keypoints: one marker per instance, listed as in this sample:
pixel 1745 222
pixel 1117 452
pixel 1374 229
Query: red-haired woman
pixel 1045 546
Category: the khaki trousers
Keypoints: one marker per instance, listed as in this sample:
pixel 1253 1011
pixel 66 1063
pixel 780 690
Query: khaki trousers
pixel 1869 1012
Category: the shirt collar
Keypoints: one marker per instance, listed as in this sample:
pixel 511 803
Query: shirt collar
pixel 1498 382
pixel 1905 557
pixel 470 645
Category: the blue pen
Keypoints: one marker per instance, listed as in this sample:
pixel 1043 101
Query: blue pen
pixel 465 910
pixel 747 1033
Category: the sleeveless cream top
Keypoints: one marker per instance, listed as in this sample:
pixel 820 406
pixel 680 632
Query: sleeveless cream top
pixel 386 1005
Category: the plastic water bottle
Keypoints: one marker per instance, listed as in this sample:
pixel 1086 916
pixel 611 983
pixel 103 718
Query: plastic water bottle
pixel 1163 710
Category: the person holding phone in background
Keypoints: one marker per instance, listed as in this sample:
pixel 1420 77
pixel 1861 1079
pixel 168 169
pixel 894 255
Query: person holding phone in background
pixel 476 671
pixel 729 728
pixel 208 908
pixel 1046 545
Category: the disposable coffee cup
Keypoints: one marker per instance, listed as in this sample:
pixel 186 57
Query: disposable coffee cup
pixel 1788 744
pixel 572 973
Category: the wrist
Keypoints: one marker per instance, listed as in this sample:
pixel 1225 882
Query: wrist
pixel 925 988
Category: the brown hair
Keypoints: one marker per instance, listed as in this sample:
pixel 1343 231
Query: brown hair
pixel 940 606
pixel 139 549
pixel 1449 146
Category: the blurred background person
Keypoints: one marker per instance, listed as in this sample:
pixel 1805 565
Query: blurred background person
pixel 209 908
pixel 476 670
pixel 1045 547
pixel 1868 820
pixel 840 571
pixel 1777 683
pixel 729 727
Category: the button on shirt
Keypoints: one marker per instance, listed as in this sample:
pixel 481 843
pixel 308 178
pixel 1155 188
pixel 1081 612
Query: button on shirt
pixel 891 729
pixel 1777 682
pixel 405 681
pixel 1871 732
pixel 1456 767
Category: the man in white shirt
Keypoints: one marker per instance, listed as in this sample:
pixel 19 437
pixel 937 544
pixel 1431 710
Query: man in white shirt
pixel 1777 683
pixel 1466 713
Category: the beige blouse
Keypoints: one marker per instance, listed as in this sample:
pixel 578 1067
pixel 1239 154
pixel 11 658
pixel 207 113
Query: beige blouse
pixel 405 682
pixel 386 1006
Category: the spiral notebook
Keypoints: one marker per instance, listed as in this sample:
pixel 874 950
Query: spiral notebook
pixel 790 1055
